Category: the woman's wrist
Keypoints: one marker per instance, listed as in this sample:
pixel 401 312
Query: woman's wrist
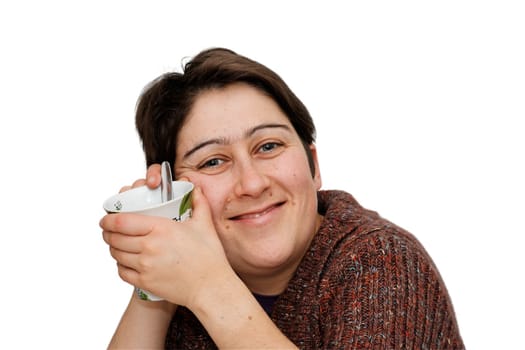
pixel 144 324
pixel 233 317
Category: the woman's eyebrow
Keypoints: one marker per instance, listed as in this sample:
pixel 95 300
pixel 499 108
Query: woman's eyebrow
pixel 253 130
pixel 217 141
pixel 225 141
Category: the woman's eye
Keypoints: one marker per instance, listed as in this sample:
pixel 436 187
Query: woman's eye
pixel 268 147
pixel 212 163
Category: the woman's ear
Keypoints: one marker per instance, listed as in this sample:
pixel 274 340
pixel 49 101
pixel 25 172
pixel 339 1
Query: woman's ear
pixel 314 164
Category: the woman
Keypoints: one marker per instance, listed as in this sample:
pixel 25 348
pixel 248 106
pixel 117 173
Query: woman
pixel 267 260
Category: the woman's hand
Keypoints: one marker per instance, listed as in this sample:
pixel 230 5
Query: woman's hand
pixel 185 264
pixel 173 260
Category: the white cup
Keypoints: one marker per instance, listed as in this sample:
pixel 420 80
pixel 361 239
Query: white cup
pixel 143 200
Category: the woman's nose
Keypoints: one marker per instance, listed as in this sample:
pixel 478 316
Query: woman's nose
pixel 251 181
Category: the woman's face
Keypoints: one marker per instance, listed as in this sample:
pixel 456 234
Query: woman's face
pixel 240 148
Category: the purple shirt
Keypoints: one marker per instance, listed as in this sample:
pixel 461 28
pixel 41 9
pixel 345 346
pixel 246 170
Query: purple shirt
pixel 266 301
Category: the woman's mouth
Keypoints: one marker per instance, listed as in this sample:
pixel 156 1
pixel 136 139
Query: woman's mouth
pixel 256 213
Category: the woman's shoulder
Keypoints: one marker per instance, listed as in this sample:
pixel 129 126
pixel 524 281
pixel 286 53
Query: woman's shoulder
pixel 381 241
pixel 378 282
pixel 361 236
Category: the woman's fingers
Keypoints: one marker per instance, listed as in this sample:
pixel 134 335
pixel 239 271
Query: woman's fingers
pixel 127 274
pixel 138 269
pixel 129 260
pixel 134 268
pixel 153 176
pixel 128 224
pixel 130 244
pixel 124 189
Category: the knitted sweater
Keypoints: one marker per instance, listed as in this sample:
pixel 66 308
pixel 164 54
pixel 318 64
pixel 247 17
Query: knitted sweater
pixel 364 283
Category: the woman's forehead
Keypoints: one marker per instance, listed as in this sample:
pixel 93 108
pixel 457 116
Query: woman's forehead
pixel 231 112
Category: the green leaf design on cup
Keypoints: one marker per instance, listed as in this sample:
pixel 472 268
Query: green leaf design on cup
pixel 185 204
pixel 142 295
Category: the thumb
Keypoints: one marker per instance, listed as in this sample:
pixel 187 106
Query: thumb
pixel 201 208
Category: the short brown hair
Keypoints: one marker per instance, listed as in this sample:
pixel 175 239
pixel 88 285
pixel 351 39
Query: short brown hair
pixel 165 102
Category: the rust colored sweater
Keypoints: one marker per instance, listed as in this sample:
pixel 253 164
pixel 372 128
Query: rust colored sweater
pixel 363 284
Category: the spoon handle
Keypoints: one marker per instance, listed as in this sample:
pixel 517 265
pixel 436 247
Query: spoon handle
pixel 166 182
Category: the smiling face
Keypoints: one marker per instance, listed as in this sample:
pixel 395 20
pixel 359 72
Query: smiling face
pixel 241 149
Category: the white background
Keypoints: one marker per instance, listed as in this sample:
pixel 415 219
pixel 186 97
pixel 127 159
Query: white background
pixel 419 108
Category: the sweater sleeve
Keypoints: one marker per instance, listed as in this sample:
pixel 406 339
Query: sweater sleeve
pixel 386 293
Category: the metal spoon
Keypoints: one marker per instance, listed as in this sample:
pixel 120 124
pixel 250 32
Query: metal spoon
pixel 166 182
